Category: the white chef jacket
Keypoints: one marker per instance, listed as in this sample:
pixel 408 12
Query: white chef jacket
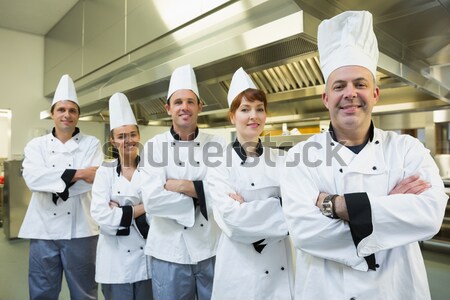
pixel 120 258
pixel 46 159
pixel 242 271
pixel 179 232
pixel 329 265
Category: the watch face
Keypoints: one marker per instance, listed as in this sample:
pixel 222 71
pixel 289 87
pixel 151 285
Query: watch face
pixel 327 207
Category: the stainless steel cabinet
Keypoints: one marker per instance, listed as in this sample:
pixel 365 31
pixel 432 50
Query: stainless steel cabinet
pixel 16 197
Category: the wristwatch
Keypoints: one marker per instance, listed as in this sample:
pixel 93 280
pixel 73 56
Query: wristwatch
pixel 328 209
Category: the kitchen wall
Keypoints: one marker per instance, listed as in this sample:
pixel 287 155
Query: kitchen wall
pixel 22 82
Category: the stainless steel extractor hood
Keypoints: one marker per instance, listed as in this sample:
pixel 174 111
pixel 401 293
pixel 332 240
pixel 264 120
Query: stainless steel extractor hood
pixel 275 42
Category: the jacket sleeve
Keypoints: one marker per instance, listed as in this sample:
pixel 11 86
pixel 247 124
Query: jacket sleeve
pixel 111 221
pixel 248 222
pixel 309 230
pixel 402 219
pixel 93 156
pixel 157 200
pixel 39 177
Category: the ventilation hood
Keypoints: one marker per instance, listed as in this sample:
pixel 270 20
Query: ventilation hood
pixel 275 42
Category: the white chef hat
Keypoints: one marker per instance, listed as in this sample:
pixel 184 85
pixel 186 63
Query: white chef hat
pixel 65 90
pixel 347 40
pixel 239 83
pixel 120 112
pixel 183 78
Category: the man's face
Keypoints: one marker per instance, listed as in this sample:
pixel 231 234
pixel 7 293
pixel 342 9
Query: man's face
pixel 65 115
pixel 350 97
pixel 184 108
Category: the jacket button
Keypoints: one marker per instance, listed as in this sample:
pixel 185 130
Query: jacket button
pixel 128 251
pixel 198 163
pixel 53 151
pixel 54 214
pixel 282 268
pixel 173 144
pixel 332 144
pixel 185 228
pixel 53 166
pixel 142 248
pixel 242 163
pixel 252 184
pixel 201 225
pixel 377 266
pixel 353 298
pixel 68 212
pixel 70 165
pixel 267 272
pixel 340 170
pixel 198 144
pixel 374 168
pixel 179 163
pixel 118 192
pixel 377 142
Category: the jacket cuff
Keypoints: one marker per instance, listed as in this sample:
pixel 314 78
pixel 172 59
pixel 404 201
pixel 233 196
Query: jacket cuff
pixel 67 176
pixel 127 216
pixel 200 200
pixel 360 220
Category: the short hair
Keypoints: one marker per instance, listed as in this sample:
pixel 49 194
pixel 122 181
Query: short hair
pixel 250 95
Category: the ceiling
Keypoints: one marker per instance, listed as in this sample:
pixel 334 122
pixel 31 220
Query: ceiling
pixel 414 68
pixel 414 33
pixel 33 16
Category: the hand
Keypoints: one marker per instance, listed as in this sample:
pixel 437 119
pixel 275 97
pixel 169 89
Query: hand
pixel 138 210
pixel 410 185
pixel 113 204
pixel 340 207
pixel 320 199
pixel 181 186
pixel 237 198
pixel 87 174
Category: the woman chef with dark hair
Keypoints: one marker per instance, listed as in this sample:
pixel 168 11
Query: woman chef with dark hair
pixel 122 267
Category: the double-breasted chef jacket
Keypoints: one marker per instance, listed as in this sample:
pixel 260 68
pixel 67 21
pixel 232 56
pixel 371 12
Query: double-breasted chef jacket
pixel 59 209
pixel 376 255
pixel 182 229
pixel 254 255
pixel 120 249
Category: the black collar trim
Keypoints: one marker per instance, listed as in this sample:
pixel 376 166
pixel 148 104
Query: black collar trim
pixel 371 132
pixel 241 152
pixel 177 137
pixel 76 131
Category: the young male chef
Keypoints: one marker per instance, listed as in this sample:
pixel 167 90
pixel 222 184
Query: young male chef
pixel 183 235
pixel 59 169
pixel 357 208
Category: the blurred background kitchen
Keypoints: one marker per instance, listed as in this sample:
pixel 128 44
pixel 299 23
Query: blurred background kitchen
pixel 133 46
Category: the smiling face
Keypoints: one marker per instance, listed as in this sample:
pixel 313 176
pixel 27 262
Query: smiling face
pixel 184 108
pixel 350 97
pixel 126 139
pixel 65 115
pixel 249 118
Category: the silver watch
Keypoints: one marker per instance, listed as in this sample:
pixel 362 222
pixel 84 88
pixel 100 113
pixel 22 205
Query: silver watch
pixel 328 208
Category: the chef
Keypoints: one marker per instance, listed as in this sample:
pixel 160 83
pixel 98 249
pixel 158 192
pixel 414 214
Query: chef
pixel 183 234
pixel 59 169
pixel 122 267
pixel 253 258
pixel 363 198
